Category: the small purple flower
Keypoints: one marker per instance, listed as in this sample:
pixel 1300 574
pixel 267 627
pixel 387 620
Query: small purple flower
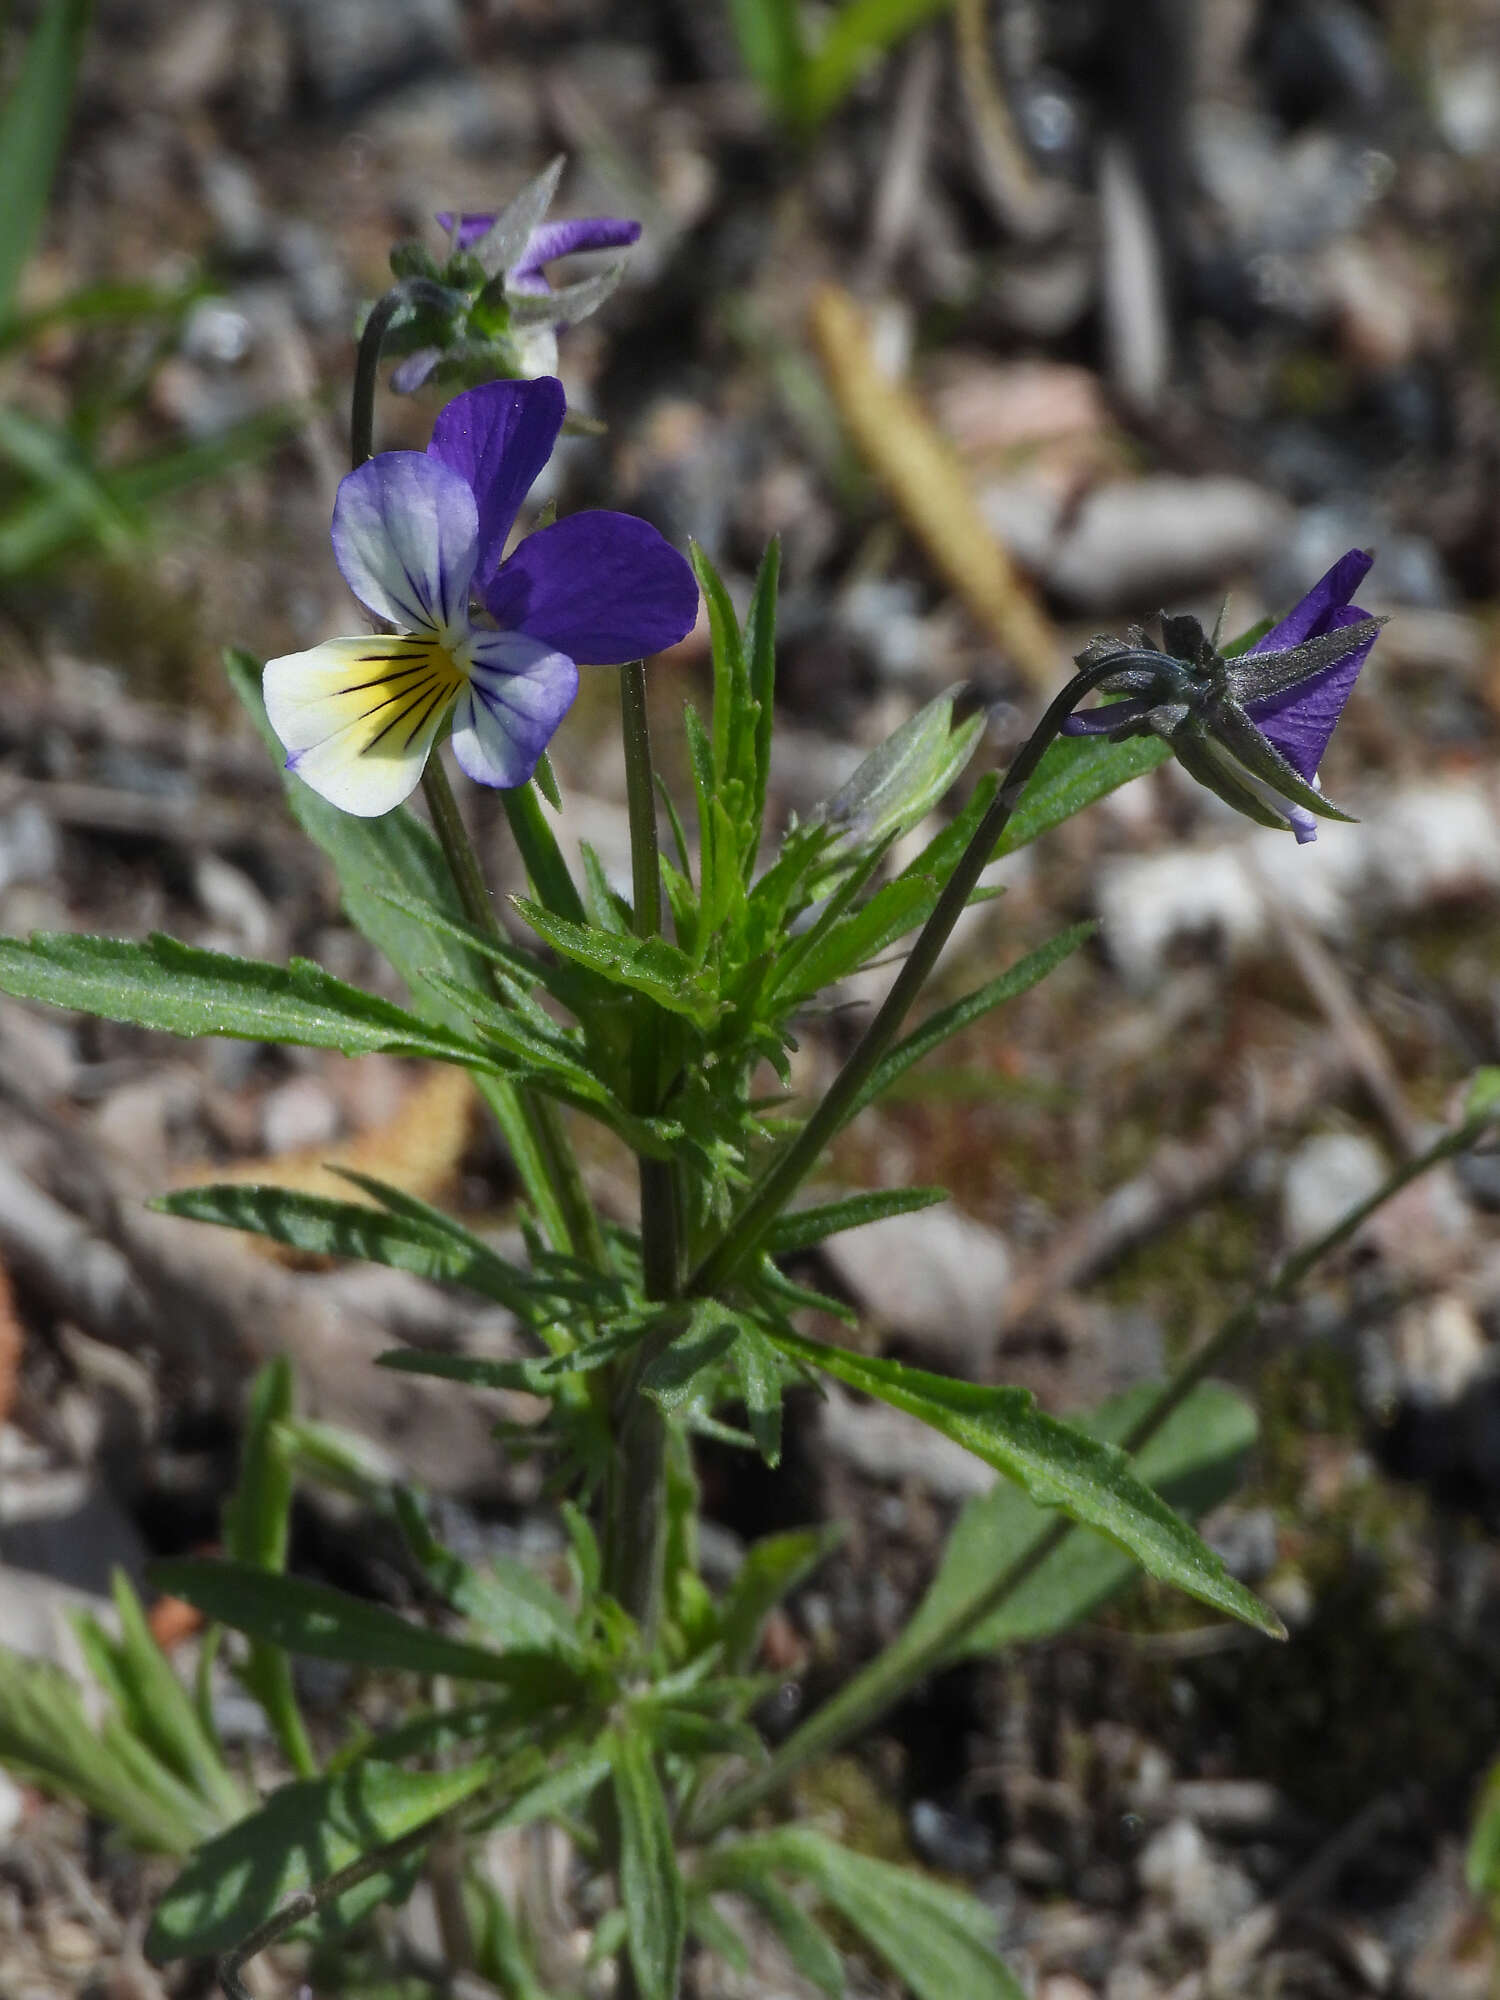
pixel 1299 720
pixel 416 534
pixel 546 242
pixel 1253 728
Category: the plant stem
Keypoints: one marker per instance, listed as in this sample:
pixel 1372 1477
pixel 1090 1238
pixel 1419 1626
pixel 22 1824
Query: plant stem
pixel 887 1678
pixel 766 1200
pixel 633 1525
pixel 407 292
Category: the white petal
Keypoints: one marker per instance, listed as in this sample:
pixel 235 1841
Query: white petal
pixel 406 536
pixel 359 716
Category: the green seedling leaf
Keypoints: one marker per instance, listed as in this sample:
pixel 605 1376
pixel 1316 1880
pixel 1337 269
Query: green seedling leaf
pixel 503 1598
pixel 32 127
pixel 805 1227
pixel 327 1624
pixel 650 1886
pixel 1193 1461
pixel 323 1227
pixel 304 1833
pixel 181 990
pixel 1055 1464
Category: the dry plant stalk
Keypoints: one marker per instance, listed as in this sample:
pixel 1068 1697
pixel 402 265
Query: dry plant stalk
pixel 925 479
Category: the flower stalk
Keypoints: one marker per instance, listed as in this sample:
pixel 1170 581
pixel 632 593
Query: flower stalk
pixel 790 1167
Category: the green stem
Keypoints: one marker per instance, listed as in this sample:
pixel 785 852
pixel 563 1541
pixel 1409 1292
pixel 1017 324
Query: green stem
pixel 883 1683
pixel 769 1196
pixel 408 292
pixel 635 1493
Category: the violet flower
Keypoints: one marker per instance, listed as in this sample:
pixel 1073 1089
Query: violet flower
pixel 546 242
pixel 415 534
pixel 1253 727
pixel 513 319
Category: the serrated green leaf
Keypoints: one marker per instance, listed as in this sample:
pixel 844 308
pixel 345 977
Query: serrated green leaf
pixel 1192 1461
pixel 650 965
pixel 303 1834
pixel 651 1891
pixel 182 990
pixel 804 1227
pixel 32 127
pixel 938 1940
pixel 509 1602
pixel 323 1227
pixel 1073 773
pixel 327 1624
pixel 937 1028
pixel 1056 1464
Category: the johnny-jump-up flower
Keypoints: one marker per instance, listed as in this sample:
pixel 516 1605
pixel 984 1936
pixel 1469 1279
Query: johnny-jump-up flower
pixel 502 317
pixel 1252 728
pixel 416 535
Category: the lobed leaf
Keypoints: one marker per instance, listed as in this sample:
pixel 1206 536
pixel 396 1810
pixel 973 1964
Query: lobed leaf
pixel 182 990
pixel 804 1227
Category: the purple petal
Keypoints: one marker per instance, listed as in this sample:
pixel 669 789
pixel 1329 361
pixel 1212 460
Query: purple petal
pixel 405 537
pixel 1099 721
pixel 1300 720
pixel 561 239
pixel 600 587
pixel 468 229
pixel 408 376
pixel 519 691
pixel 1314 614
pixel 498 437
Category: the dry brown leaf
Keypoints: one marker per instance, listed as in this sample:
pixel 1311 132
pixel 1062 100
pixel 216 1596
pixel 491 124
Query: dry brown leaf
pixel 10 1346
pixel 417 1150
pixel 926 480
